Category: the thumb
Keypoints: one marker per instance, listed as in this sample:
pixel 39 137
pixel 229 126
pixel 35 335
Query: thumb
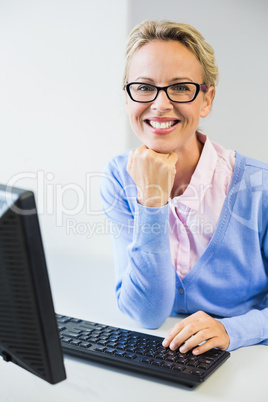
pixel 172 158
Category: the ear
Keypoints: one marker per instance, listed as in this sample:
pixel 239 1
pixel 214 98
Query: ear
pixel 207 101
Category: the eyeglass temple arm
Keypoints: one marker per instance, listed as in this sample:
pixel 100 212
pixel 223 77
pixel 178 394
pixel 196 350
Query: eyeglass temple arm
pixel 203 87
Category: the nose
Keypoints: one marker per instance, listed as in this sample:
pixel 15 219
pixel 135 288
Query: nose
pixel 162 103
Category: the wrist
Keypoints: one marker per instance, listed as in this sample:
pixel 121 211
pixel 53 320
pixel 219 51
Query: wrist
pixel 152 201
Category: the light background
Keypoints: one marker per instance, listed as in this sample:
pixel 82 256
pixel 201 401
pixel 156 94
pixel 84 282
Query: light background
pixel 62 113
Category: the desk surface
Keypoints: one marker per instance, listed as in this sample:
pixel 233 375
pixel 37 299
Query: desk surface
pixel 83 287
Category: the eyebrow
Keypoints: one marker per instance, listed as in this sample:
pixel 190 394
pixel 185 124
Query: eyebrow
pixel 181 79
pixel 174 80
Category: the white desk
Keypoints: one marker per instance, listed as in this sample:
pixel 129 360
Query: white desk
pixel 83 288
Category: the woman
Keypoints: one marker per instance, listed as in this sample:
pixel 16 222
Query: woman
pixel 188 217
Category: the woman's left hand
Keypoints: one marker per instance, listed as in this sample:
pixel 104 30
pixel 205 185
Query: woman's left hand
pixel 194 330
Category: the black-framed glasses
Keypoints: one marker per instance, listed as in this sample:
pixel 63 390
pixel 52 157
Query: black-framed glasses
pixel 181 92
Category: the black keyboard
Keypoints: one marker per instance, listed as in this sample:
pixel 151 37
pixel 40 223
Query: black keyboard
pixel 135 351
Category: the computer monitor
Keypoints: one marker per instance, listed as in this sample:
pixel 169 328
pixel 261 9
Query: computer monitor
pixel 28 330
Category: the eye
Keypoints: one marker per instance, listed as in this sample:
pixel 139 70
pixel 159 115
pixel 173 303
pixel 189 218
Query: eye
pixel 180 88
pixel 144 88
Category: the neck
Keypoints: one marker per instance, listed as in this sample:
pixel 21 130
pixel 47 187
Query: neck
pixel 188 158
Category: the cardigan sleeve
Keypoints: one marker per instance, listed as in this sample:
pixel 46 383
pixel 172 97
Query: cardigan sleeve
pixel 247 329
pixel 251 328
pixel 145 276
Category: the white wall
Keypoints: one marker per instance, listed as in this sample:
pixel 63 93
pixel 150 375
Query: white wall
pixel 238 32
pixel 62 113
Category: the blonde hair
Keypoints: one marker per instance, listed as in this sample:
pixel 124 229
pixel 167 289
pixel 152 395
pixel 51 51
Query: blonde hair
pixel 148 31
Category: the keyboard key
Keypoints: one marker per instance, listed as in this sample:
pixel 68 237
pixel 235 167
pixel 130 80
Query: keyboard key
pixel 197 372
pixel 178 367
pixel 101 342
pixel 70 334
pixel 121 346
pixel 93 339
pixel 75 320
pixel 100 349
pixel 130 349
pixel 111 344
pixel 203 366
pixel 101 327
pixel 120 353
pixel 75 342
pixel 130 356
pixel 193 364
pixel 206 362
pixel 110 351
pixel 83 337
pixel 66 340
pixel 157 362
pixel 159 356
pixel 140 351
pixel 171 359
pixel 85 345
pixel 149 353
pixel 63 320
pixel 104 337
pixel 123 339
pixel 168 365
pixel 146 360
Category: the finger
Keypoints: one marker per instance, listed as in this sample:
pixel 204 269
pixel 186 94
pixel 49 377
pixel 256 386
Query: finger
pixel 208 345
pixel 172 333
pixel 180 337
pixel 172 157
pixel 187 334
pixel 195 340
pixel 142 149
pixel 178 327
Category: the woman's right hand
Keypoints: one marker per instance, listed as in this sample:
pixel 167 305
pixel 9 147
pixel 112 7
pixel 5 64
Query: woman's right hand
pixel 153 174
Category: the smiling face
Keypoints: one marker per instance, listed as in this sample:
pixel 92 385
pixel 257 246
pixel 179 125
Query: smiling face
pixel 163 125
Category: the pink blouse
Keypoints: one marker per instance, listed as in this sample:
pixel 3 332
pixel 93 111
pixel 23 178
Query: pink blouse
pixel 194 214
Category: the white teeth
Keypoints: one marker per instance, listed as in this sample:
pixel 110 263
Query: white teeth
pixel 157 124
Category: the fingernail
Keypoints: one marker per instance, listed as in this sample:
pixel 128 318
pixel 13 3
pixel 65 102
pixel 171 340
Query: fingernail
pixel 172 346
pixel 165 342
pixel 195 352
pixel 182 349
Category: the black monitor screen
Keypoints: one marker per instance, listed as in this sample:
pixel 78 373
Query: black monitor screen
pixel 28 329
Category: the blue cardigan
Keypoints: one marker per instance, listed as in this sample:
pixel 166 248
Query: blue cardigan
pixel 230 279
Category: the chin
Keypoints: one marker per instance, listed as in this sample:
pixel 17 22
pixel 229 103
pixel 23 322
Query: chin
pixel 162 149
